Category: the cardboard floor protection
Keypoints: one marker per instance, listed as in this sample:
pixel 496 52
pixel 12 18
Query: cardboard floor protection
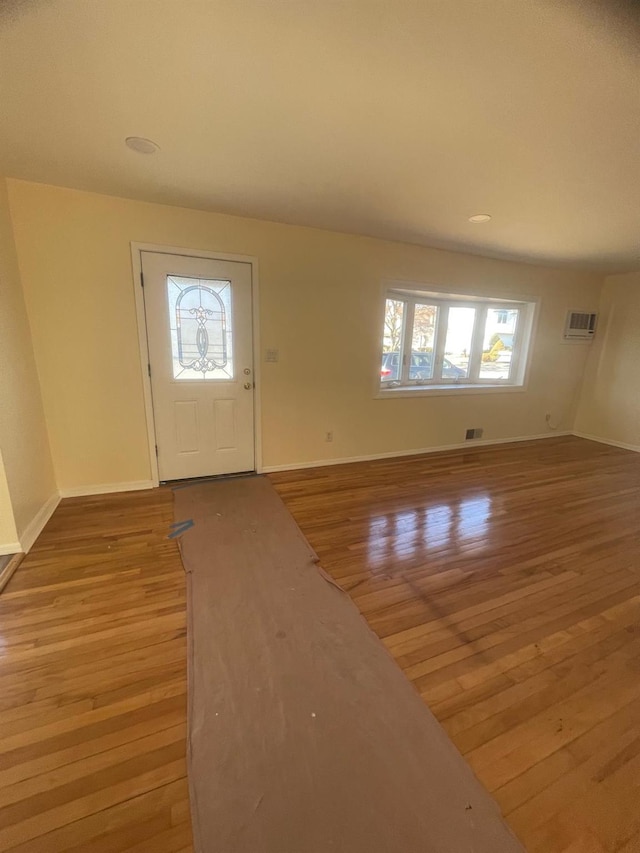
pixel 304 735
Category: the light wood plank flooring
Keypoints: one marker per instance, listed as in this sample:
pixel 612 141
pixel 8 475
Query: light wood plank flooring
pixel 92 684
pixel 505 582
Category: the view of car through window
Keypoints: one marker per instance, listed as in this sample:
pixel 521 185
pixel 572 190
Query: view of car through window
pixel 420 368
pixel 450 341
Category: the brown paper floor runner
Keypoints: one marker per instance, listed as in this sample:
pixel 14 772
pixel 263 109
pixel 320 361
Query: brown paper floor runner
pixel 304 735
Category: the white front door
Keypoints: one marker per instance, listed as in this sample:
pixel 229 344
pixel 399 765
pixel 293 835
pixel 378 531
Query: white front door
pixel 199 330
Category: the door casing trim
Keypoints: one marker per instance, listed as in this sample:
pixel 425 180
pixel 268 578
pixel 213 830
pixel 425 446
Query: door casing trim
pixel 136 266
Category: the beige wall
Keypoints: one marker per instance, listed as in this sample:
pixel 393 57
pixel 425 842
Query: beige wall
pixel 321 298
pixel 610 399
pixel 23 435
pixel 8 532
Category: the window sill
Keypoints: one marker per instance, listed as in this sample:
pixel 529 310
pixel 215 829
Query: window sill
pixel 444 390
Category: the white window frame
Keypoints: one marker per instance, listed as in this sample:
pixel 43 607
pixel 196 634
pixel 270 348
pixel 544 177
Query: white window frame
pixel 474 383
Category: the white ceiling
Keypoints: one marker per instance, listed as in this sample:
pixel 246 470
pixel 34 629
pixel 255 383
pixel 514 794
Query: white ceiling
pixel 393 118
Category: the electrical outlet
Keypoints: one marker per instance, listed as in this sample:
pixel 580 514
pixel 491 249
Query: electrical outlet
pixel 328 435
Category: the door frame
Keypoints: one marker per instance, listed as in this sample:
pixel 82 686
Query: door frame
pixel 136 265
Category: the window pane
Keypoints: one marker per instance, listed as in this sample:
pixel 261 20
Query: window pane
pixel 497 344
pixel 392 340
pixel 458 343
pixel 200 322
pixel 422 341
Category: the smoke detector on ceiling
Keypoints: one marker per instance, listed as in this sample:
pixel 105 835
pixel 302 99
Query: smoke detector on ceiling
pixel 141 145
pixel 480 217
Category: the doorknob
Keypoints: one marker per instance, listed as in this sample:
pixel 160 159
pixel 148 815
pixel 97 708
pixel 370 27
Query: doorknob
pixel 248 386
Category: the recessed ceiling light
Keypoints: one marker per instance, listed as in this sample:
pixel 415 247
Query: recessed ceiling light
pixel 480 217
pixel 141 145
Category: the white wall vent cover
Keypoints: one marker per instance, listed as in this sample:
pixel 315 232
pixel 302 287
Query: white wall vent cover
pixel 580 326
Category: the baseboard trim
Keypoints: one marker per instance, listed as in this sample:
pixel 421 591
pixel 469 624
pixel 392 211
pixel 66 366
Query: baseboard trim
pixel 634 447
pixel 37 523
pixel 10 548
pixel 138 485
pixel 7 573
pixel 106 488
pixel 443 448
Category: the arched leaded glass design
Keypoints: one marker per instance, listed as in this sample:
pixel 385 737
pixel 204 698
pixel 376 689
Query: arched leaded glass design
pixel 200 321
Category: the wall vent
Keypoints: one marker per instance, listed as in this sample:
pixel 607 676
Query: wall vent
pixel 474 433
pixel 580 326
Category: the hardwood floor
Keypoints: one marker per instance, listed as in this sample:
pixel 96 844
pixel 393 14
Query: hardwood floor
pixel 92 684
pixel 505 582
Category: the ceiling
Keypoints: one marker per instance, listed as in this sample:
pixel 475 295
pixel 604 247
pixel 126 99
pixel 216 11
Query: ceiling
pixel 392 118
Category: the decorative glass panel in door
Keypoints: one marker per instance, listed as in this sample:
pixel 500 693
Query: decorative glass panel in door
pixel 201 325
